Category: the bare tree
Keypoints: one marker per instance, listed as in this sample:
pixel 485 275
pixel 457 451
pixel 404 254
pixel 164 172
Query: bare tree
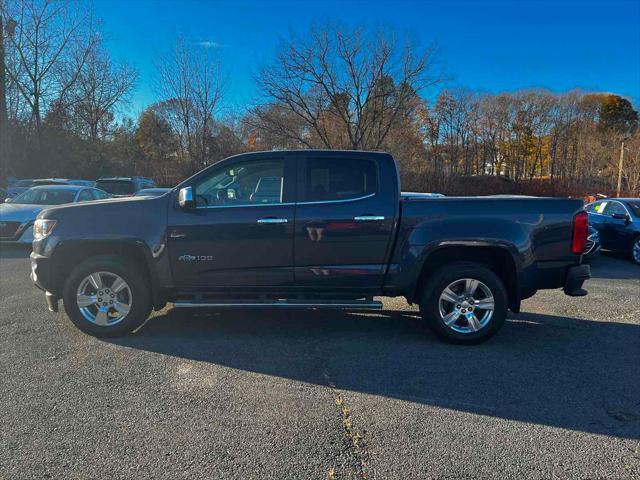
pixel 347 88
pixel 631 170
pixel 191 80
pixel 101 86
pixel 47 51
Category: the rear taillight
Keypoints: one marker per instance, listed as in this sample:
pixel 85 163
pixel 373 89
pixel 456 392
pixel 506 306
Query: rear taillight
pixel 580 233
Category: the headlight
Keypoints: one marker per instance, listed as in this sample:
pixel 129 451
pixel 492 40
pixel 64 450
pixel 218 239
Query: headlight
pixel 42 227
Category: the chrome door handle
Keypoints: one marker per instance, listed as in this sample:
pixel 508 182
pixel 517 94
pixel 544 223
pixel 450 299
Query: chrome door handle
pixel 271 221
pixel 368 218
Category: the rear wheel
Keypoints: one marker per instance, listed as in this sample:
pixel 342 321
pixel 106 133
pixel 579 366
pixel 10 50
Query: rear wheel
pixel 464 303
pixel 106 297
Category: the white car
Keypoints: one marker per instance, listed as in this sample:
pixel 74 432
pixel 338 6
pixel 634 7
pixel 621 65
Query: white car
pixel 18 213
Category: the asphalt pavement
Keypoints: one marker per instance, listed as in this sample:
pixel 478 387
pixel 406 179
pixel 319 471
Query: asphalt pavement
pixel 313 394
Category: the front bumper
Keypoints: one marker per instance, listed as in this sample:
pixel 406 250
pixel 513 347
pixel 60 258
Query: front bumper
pixel 576 276
pixel 41 276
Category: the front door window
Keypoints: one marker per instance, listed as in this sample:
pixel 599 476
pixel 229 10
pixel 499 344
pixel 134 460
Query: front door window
pixel 247 183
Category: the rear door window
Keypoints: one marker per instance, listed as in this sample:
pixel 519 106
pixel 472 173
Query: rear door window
pixel 591 208
pixel 338 179
pixel 599 207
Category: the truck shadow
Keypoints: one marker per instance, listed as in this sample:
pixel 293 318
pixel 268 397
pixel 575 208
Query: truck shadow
pixel 564 372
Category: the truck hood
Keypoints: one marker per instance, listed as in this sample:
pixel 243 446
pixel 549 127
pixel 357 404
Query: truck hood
pixel 19 212
pixel 116 201
pixel 138 219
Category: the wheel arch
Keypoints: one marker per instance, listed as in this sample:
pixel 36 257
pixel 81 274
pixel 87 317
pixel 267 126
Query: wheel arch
pixel 498 258
pixel 69 254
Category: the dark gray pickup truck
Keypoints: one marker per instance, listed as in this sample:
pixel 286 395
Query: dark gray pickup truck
pixel 307 229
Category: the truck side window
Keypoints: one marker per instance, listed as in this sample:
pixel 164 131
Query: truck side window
pixel 249 183
pixel 339 179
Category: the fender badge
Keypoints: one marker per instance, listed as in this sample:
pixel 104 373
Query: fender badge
pixel 195 258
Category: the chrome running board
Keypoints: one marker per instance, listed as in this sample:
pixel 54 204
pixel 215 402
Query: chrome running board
pixel 335 304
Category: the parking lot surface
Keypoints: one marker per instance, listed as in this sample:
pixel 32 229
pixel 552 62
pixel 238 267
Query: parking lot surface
pixel 311 394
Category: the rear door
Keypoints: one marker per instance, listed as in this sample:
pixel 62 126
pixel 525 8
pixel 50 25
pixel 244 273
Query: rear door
pixel 344 220
pixel 240 235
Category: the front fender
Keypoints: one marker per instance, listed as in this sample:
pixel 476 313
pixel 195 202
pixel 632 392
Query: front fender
pixel 70 252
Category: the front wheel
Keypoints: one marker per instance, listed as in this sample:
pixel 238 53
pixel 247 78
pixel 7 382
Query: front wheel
pixel 107 297
pixel 464 303
pixel 635 251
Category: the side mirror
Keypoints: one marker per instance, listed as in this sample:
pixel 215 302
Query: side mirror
pixel 185 198
pixel 621 216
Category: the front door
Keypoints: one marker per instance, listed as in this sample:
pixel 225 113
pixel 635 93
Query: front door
pixel 240 233
pixel 344 222
pixel 619 231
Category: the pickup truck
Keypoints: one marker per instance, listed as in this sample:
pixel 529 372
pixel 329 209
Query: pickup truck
pixel 307 229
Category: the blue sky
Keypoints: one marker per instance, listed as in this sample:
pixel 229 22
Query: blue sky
pixel 492 46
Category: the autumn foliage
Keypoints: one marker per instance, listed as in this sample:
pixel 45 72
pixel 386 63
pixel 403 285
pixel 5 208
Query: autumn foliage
pixel 330 87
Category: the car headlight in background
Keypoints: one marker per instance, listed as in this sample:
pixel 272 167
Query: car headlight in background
pixel 42 227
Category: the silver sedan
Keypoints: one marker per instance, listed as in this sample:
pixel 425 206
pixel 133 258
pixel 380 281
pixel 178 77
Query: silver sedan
pixel 18 213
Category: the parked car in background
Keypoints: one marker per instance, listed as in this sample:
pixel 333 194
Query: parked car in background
pixel 23 185
pixel 618 223
pixel 62 181
pixel 152 192
pixel 19 186
pixel 18 214
pixel 307 229
pixel 123 186
pixel 592 250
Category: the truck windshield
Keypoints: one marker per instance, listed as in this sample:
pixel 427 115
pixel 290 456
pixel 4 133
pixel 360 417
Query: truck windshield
pixel 116 187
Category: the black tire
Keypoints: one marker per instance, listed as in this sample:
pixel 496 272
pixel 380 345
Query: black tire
pixel 635 259
pixel 445 276
pixel 137 281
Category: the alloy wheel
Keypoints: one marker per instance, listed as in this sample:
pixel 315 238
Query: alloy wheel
pixel 466 305
pixel 104 298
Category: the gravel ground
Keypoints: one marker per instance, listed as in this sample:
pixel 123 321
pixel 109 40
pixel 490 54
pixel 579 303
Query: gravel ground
pixel 309 394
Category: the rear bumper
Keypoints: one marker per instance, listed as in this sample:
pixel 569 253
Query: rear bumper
pixel 576 276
